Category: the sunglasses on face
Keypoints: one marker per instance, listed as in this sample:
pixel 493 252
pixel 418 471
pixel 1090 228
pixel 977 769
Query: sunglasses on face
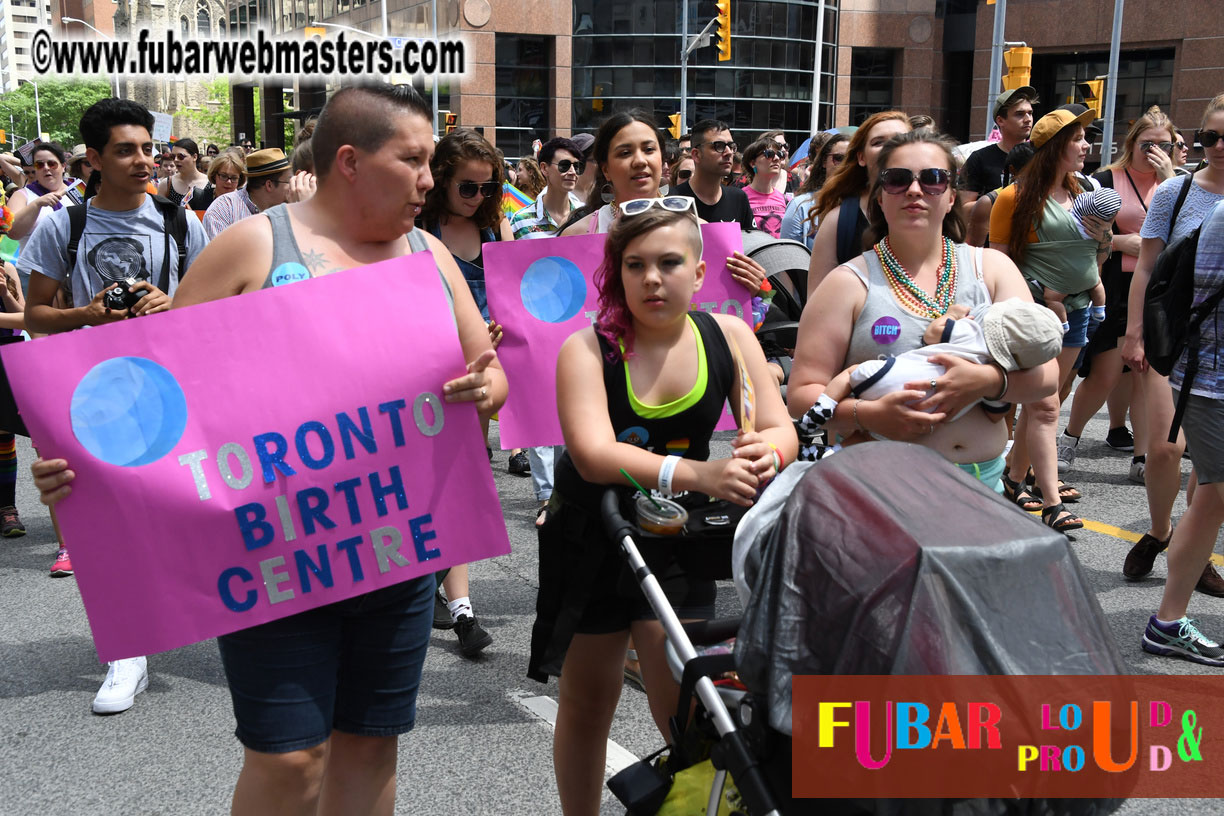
pixel 670 203
pixel 932 180
pixel 1167 147
pixel 46 165
pixel 1182 146
pixel 488 189
pixel 683 175
pixel 771 154
pixel 720 146
pixel 1207 138
pixel 565 165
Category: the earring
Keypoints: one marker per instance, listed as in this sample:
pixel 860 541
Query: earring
pixel 607 193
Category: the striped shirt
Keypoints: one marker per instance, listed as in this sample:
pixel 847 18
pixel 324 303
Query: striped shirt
pixel 535 218
pixel 228 209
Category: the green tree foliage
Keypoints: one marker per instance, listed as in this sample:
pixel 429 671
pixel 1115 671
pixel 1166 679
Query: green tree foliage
pixel 213 122
pixel 61 104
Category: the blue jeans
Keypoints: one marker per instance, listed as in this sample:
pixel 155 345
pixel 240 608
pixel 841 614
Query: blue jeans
pixel 543 459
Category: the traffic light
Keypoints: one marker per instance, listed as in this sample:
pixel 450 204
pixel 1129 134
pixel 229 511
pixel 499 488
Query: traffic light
pixel 674 130
pixel 724 29
pixel 451 120
pixel 1019 67
pixel 1093 91
pixel 314 32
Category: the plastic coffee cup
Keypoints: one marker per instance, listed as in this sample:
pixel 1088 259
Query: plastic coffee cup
pixel 669 520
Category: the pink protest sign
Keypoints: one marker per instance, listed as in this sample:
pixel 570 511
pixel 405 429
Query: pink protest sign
pixel 543 290
pixel 245 460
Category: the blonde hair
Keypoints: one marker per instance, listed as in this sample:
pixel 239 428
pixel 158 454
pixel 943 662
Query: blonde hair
pixel 1153 118
pixel 1213 107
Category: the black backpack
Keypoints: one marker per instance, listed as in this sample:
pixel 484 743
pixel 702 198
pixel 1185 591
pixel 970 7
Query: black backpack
pixel 174 220
pixel 1171 321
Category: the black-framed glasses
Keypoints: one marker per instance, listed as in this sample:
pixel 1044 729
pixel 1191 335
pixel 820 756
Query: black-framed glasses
pixel 229 178
pixel 565 165
pixel 932 180
pixel 770 153
pixel 720 146
pixel 683 175
pixel 1207 138
pixel 1166 147
pixel 1181 145
pixel 488 189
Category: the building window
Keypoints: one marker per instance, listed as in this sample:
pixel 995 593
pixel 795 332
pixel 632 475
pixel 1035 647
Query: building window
pixel 203 20
pixel 871 82
pixel 524 72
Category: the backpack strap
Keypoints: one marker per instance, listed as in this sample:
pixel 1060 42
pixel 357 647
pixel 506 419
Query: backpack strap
pixel 847 225
pixel 174 225
pixel 76 228
pixel 1181 199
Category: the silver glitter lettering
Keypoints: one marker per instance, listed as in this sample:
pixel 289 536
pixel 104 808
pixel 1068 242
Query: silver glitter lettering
pixel 591 314
pixel 709 306
pixel 386 553
pixel 286 520
pixel 273 580
pixel 733 306
pixel 418 414
pixel 244 462
pixel 193 460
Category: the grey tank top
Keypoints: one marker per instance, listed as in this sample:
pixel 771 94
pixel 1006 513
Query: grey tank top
pixel 288 265
pixel 884 328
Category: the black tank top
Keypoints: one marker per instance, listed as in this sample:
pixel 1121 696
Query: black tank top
pixel 685 432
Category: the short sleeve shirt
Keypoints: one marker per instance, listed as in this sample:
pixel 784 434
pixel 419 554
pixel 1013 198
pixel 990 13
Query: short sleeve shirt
pixel 983 170
pixel 1160 211
pixel 1208 278
pixel 114 246
pixel 732 206
pixel 768 209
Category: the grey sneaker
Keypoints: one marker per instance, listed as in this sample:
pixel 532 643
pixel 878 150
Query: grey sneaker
pixel 1181 639
pixel 1066 451
pixel 1137 471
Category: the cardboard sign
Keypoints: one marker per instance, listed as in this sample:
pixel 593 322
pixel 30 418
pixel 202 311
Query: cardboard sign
pixel 247 459
pixel 543 290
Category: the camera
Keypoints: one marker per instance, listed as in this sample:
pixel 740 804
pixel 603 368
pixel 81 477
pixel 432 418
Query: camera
pixel 122 296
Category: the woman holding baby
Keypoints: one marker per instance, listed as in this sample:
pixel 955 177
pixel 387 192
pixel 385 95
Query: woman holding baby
pixel 1032 222
pixel 883 301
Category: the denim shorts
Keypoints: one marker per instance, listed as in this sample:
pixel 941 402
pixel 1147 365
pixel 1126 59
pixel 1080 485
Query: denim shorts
pixel 1077 335
pixel 353 666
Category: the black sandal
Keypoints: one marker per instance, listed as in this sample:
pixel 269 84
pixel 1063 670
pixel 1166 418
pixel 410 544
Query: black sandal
pixel 1060 518
pixel 1020 495
pixel 1066 493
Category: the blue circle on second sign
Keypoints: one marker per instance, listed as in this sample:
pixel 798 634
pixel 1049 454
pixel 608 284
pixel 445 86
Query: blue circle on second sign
pixel 289 272
pixel 553 289
pixel 128 411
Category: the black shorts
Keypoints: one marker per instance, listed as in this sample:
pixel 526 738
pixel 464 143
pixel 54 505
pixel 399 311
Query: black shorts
pixel 10 417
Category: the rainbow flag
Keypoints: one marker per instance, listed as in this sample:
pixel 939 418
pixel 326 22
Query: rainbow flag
pixel 513 199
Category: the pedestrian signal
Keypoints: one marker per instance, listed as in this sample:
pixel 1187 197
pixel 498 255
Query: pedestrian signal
pixel 1019 67
pixel 724 29
pixel 451 120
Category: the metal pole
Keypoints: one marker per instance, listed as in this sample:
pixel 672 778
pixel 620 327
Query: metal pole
pixel 382 10
pixel 435 80
pixel 993 82
pixel 684 15
pixel 114 75
pixel 1111 92
pixel 819 66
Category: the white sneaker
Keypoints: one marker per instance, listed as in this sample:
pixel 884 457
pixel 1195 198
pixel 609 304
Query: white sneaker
pixel 1137 472
pixel 1066 451
pixel 124 680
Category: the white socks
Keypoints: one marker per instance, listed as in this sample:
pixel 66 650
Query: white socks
pixel 460 606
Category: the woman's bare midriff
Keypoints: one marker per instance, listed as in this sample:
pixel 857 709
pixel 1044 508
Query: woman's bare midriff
pixel 972 438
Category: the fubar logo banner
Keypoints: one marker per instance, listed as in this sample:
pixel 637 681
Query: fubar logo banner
pixel 1009 737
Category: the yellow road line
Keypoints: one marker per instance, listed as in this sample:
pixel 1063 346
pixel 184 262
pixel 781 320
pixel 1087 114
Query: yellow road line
pixel 1126 535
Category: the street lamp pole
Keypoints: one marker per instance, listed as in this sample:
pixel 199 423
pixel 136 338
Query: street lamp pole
pixel 1111 90
pixel 434 80
pixel 114 76
pixel 997 43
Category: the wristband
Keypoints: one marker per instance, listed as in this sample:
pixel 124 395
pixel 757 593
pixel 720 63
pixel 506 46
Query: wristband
pixel 779 462
pixel 666 471
pixel 1004 389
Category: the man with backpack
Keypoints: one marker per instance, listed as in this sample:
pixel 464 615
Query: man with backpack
pixel 84 252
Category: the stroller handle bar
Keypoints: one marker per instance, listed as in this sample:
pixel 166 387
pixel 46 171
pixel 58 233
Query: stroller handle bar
pixel 748 777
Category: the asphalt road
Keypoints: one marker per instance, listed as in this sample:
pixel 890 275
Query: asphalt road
pixel 480 745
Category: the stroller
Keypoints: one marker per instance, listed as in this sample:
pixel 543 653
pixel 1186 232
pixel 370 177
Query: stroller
pixel 846 575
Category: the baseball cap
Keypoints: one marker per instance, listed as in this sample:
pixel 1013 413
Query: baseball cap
pixel 1021 334
pixel 1014 95
pixel 585 142
pixel 1049 125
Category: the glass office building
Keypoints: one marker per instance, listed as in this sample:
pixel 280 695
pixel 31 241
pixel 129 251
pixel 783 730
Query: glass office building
pixel 627 54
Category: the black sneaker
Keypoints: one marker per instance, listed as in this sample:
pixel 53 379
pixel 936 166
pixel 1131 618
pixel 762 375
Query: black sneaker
pixel 442 615
pixel 1120 439
pixel 1181 639
pixel 1142 556
pixel 10 523
pixel 472 638
pixel 518 464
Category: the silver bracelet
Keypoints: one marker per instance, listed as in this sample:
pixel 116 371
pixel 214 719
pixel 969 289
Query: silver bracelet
pixel 1004 390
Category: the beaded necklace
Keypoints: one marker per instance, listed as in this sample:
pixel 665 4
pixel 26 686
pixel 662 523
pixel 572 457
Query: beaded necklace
pixel 910 295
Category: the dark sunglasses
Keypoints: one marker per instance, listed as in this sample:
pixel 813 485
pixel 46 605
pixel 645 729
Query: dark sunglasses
pixel 683 175
pixel 488 189
pixel 1167 147
pixel 720 147
pixel 564 166
pixel 770 153
pixel 932 180
pixel 1207 138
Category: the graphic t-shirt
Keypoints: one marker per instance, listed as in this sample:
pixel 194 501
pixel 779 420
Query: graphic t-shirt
pixel 732 206
pixel 768 209
pixel 114 246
